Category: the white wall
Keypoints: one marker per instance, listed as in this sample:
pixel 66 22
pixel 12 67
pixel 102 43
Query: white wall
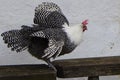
pixel 101 39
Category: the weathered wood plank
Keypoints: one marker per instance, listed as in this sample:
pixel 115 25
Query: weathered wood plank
pixel 102 66
pixel 26 72
pixel 93 78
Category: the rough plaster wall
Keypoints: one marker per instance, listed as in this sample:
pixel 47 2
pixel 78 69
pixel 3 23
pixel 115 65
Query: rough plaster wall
pixel 101 39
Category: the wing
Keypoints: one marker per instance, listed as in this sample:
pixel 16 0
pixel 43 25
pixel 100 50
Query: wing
pixel 54 46
pixel 49 14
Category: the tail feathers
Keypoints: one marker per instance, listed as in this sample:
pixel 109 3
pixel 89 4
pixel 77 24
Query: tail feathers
pixel 16 40
pixel 10 33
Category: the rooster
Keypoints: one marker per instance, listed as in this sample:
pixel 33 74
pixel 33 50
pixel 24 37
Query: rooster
pixel 49 37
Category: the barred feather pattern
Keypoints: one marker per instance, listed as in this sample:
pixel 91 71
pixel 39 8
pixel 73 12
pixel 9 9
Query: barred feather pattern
pixel 54 49
pixel 54 46
pixel 38 34
pixel 15 40
pixel 47 13
pixel 18 40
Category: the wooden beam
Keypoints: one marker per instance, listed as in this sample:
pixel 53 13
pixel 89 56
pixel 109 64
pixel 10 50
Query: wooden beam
pixel 93 78
pixel 101 66
pixel 26 72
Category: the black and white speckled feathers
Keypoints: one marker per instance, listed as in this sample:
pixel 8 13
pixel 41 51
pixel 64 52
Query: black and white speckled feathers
pixel 18 40
pixel 50 41
pixel 49 37
pixel 49 14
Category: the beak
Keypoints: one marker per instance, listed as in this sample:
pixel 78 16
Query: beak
pixel 84 28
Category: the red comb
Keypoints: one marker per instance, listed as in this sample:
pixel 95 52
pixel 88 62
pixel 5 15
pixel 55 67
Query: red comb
pixel 85 22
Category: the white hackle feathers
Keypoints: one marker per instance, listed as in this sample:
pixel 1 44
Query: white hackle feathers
pixel 74 33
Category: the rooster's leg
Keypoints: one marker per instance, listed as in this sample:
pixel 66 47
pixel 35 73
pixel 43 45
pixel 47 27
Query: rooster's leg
pixel 51 65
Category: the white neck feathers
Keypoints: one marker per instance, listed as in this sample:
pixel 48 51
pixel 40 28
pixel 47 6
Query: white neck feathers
pixel 74 32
